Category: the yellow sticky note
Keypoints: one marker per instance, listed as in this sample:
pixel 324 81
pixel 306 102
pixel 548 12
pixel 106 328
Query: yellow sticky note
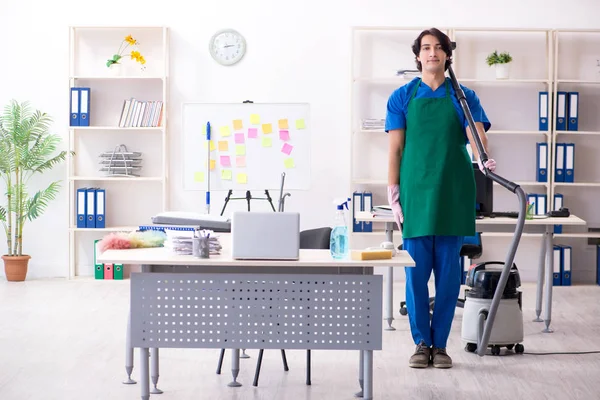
pixel 300 124
pixel 226 174
pixel 237 124
pixel 240 149
pixel 288 162
pixel 266 142
pixel 213 164
pixel 254 119
pixel 267 128
pixel 198 176
pixel 225 131
pixel 223 145
pixel 212 145
pixel 242 178
pixel 203 130
pixel 283 124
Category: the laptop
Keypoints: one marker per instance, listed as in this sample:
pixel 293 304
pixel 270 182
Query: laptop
pixel 265 235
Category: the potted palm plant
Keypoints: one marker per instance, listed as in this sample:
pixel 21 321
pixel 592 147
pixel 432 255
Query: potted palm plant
pixel 26 149
pixel 501 61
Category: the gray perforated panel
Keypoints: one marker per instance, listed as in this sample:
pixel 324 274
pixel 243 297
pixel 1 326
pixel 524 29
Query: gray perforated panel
pixel 250 311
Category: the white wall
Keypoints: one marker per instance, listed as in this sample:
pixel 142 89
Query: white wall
pixel 298 52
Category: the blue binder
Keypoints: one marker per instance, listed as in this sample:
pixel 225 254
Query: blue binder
pixel 367 205
pixel 573 124
pixel 558 258
pixel 84 106
pixel 543 111
pixel 356 207
pixel 558 204
pixel 91 208
pixel 100 208
pixel 561 111
pixel 566 265
pixel 81 207
pixel 542 162
pixel 541 205
pixel 559 163
pixel 570 162
pixel 74 103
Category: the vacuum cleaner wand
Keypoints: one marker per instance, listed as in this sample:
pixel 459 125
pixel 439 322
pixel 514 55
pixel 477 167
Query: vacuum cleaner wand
pixel 486 317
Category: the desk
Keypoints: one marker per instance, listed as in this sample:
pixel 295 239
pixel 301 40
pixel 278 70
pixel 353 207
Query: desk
pixel 487 224
pixel 176 271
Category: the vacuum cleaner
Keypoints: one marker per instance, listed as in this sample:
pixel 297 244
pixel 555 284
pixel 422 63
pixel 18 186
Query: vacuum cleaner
pixel 482 309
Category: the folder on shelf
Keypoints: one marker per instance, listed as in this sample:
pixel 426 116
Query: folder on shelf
pixel 98 268
pixel 108 271
pixel 91 208
pixel 74 118
pixel 542 162
pixel 84 106
pixel 558 204
pixel 561 111
pixel 540 207
pixel 357 226
pixel 118 271
pixel 569 162
pixel 573 111
pixel 565 267
pixel 543 111
pixel 556 276
pixel 559 163
pixel 100 208
pixel 367 205
pixel 81 207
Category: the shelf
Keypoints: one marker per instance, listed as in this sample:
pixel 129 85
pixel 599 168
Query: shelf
pixel 589 133
pixel 115 128
pixel 577 81
pixel 369 182
pixel 109 229
pixel 504 81
pixel 119 77
pixel 116 178
pixel 527 183
pixel 578 235
pixel 507 132
pixel 577 184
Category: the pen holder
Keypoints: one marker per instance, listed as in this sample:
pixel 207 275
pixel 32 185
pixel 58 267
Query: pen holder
pixel 200 247
pixel 529 212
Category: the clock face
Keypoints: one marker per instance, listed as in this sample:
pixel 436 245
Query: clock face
pixel 227 47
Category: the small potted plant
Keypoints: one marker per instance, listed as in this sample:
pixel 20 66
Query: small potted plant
pixel 26 149
pixel 501 61
pixel 114 63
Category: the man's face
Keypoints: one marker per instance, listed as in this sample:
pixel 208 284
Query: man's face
pixel 431 56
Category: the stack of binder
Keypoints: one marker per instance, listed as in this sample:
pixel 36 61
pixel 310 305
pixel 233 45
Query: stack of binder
pixel 564 162
pixel 563 260
pixel 91 208
pixel 106 271
pixel 567 111
pixel 361 201
pixel 80 106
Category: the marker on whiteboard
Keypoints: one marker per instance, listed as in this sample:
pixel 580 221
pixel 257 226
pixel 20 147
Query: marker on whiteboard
pixel 208 168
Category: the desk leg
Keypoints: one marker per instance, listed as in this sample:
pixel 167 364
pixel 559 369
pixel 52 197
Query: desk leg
pixel 154 371
pixel 361 373
pixel 235 367
pixel 128 353
pixel 368 375
pixel 144 373
pixel 389 312
pixel 540 281
pixel 549 277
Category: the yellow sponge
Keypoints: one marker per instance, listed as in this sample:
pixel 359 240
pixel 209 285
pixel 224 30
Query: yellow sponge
pixel 378 254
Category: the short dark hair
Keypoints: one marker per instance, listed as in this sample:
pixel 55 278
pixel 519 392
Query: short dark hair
pixel 444 41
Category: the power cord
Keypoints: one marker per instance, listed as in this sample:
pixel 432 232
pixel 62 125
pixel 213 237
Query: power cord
pixel 566 352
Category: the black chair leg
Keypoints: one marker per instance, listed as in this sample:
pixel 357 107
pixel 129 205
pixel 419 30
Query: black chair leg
pixel 308 367
pixel 220 362
pixel 285 366
pixel 258 364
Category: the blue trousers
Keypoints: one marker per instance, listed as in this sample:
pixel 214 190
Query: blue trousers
pixel 440 254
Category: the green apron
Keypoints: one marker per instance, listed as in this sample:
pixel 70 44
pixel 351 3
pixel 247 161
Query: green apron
pixel 437 184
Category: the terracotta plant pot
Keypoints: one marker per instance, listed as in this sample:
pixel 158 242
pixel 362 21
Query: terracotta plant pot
pixel 15 267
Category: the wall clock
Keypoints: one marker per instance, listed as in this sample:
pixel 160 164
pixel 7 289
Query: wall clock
pixel 227 46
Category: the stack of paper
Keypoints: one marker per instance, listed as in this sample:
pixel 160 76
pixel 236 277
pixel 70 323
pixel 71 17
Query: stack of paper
pixel 373 124
pixel 181 242
pixel 383 211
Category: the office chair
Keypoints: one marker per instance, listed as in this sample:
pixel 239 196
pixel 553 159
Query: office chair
pixel 473 249
pixel 317 238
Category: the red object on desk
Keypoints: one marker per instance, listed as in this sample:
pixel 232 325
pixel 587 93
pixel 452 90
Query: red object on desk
pixel 108 271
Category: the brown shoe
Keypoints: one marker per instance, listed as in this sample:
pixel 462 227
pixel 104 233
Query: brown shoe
pixel 441 359
pixel 421 357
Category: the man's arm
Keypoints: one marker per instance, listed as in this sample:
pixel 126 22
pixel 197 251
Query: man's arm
pixel 396 147
pixel 482 136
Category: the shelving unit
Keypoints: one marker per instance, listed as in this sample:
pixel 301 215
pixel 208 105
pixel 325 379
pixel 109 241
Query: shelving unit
pixel 543 60
pixel 130 201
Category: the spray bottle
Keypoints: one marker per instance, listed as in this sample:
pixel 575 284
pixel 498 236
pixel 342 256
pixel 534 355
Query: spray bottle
pixel 339 241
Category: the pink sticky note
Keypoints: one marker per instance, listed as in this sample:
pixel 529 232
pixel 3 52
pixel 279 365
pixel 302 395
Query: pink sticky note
pixel 287 148
pixel 225 161
pixel 284 135
pixel 239 138
pixel 252 133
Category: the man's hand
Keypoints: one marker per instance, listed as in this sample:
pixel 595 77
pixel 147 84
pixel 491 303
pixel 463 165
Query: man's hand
pixel 394 200
pixel 490 164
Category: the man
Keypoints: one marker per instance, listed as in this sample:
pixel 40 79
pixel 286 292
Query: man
pixel 431 189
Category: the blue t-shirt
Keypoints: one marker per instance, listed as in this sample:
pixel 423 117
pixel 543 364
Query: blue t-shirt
pixel 397 106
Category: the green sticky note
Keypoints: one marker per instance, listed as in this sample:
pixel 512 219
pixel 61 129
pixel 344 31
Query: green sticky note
pixel 198 176
pixel 225 131
pixel 289 162
pixel 266 142
pixel 226 174
pixel 300 124
pixel 240 149
pixel 242 178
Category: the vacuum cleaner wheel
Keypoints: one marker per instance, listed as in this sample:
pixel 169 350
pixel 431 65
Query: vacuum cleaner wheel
pixel 519 348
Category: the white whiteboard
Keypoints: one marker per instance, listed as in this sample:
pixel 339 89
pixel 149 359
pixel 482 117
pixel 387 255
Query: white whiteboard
pixel 252 144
